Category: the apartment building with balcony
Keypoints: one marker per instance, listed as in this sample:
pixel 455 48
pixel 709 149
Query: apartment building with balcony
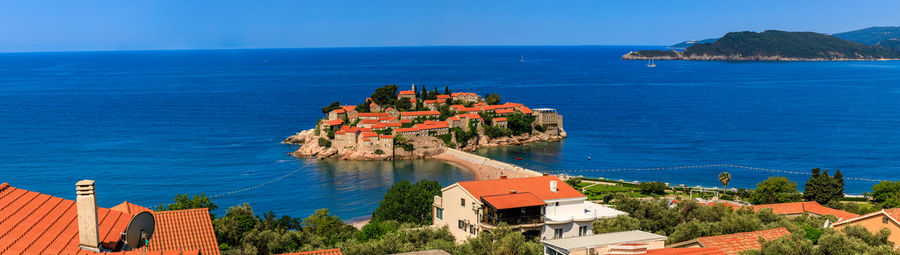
pixel 542 206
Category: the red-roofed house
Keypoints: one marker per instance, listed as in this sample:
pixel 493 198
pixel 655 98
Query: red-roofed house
pixel 392 112
pixel 799 208
pixel 334 123
pixel 686 251
pixel 500 122
pixel 434 104
pixel 874 222
pixel 733 244
pixel 465 97
pixel 417 114
pixel 35 223
pixel 371 115
pixel 443 97
pixel 525 110
pixel 539 206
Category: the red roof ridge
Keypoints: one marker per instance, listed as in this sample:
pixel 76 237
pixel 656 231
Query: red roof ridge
pixel 4 186
pixel 737 242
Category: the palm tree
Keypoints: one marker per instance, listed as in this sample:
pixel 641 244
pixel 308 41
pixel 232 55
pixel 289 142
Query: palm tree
pixel 724 177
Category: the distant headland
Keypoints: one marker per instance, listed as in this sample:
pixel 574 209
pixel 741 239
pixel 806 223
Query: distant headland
pixel 876 43
pixel 411 124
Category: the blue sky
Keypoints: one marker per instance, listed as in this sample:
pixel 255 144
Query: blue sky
pixel 201 24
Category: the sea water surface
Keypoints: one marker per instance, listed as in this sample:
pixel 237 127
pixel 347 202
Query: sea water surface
pixel 147 125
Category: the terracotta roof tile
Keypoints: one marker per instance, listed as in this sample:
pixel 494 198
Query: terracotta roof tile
pixel 387 137
pixel 502 111
pixel 407 92
pixel 184 229
pixel 443 97
pixel 319 252
pixel 129 208
pixel 686 251
pixel 525 110
pixel 500 119
pixel 334 122
pixel 36 223
pixel 805 207
pixel 738 242
pixel 514 200
pixel 372 114
pixel 539 186
pixel 420 113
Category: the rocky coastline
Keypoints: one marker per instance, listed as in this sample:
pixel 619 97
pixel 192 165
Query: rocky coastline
pixel 423 147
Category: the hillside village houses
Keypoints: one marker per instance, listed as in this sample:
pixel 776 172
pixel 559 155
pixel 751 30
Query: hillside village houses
pixel 376 129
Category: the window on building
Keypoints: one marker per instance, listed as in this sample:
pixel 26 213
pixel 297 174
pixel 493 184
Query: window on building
pixel 557 204
pixel 583 230
pixel 462 225
pixel 884 220
pixel 462 202
pixel 557 233
pixel 472 229
pixel 439 213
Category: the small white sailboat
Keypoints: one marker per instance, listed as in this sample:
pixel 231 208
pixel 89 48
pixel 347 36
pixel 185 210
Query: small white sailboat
pixel 522 59
pixel 650 63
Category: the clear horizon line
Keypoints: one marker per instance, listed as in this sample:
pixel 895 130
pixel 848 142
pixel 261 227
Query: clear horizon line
pixel 332 47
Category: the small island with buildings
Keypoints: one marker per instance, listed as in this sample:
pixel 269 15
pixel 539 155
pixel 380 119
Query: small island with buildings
pixel 412 124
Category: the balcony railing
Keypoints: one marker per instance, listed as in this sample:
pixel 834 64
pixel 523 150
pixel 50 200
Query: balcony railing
pixel 516 220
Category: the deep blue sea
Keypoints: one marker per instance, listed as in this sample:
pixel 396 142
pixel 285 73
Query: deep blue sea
pixel 151 124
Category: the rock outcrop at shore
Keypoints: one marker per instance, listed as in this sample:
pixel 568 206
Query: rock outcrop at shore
pixel 423 147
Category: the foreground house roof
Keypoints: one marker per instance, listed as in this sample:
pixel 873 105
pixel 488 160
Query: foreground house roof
pixel 812 207
pixel 735 243
pixel 35 223
pixel 893 214
pixel 515 200
pixel 538 186
pixel 686 251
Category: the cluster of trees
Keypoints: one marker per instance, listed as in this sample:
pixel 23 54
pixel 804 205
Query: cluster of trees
pixel 688 220
pixel 653 188
pixel 333 106
pixel 492 99
pixel 851 240
pixel 823 188
pixel 408 203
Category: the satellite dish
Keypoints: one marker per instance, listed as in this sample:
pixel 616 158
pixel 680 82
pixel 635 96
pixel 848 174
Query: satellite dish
pixel 139 230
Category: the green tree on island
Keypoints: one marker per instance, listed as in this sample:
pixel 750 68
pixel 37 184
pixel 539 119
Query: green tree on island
pixel 334 105
pixel 385 96
pixel 823 188
pixel 725 178
pixel 775 190
pixel 492 99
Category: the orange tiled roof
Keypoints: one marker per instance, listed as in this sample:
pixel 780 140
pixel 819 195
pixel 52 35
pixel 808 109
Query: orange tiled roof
pixel 738 242
pixel 525 110
pixel 470 116
pixel 805 207
pixel 405 121
pixel 686 251
pixel 420 113
pixel 505 111
pixel 539 186
pixel 402 130
pixel 443 97
pixel 372 114
pixel 369 134
pixel 499 119
pixel 36 223
pixel 184 229
pixel 893 213
pixel 129 208
pixel 334 122
pixel 407 92
pixel 386 137
pixel 348 107
pixel 513 200
pixel 462 94
pixel 319 252
pixel 368 121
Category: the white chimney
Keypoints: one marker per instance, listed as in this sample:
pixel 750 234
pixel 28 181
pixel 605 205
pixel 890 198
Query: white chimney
pixel 553 186
pixel 86 204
